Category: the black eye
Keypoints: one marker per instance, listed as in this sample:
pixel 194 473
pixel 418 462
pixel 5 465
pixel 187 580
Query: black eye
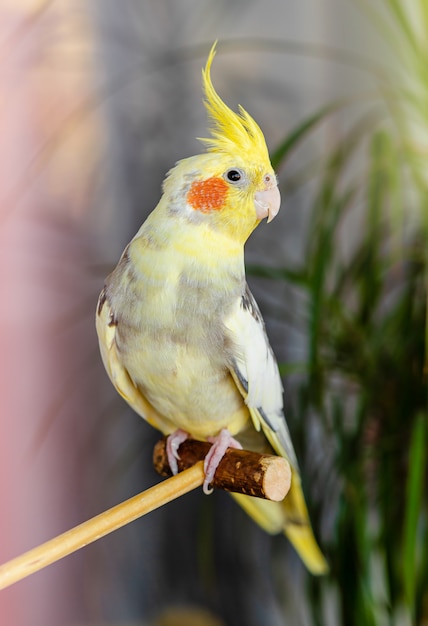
pixel 233 176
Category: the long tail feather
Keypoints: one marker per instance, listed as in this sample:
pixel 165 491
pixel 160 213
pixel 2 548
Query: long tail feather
pixel 291 517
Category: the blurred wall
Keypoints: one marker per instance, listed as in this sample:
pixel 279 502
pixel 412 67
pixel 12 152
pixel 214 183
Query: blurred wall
pixel 50 151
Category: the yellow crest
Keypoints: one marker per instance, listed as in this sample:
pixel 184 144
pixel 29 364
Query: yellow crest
pixel 231 132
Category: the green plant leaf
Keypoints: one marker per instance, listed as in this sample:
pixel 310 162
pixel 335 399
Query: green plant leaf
pixel 278 273
pixel 301 131
pixel 413 503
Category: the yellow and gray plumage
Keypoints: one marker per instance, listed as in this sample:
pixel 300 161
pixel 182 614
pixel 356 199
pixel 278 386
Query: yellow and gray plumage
pixel 180 333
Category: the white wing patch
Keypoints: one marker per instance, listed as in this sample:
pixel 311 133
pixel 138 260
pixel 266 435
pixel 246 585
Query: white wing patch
pixel 256 373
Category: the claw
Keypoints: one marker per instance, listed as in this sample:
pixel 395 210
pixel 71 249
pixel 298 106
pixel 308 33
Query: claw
pixel 221 443
pixel 173 442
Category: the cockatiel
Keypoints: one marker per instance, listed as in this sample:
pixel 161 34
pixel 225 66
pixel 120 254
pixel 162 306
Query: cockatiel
pixel 180 333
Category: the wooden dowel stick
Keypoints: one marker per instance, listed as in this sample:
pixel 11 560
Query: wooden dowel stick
pixel 101 525
pixel 241 471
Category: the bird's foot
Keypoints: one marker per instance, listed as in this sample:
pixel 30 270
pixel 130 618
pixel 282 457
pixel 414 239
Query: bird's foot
pixel 173 442
pixel 221 443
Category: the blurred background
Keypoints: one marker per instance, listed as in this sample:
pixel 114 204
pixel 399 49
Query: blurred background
pixel 97 101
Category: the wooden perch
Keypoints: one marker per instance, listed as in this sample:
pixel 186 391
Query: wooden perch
pixel 250 473
pixel 241 471
pixel 101 525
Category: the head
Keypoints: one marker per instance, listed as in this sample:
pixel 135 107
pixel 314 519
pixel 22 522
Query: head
pixel 233 185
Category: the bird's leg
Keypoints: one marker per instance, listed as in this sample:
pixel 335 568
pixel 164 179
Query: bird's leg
pixel 221 443
pixel 173 442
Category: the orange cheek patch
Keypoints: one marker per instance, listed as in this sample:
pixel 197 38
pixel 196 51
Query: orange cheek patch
pixel 207 195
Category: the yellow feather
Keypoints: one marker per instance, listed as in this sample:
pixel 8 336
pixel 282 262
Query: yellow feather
pixel 291 517
pixel 298 529
pixel 231 133
pixel 120 378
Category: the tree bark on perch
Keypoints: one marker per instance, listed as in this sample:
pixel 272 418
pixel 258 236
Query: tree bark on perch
pixel 240 471
pixel 260 475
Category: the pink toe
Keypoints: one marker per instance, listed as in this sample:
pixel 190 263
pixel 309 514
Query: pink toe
pixel 221 443
pixel 173 442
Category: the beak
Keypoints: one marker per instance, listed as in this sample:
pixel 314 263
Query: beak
pixel 267 203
